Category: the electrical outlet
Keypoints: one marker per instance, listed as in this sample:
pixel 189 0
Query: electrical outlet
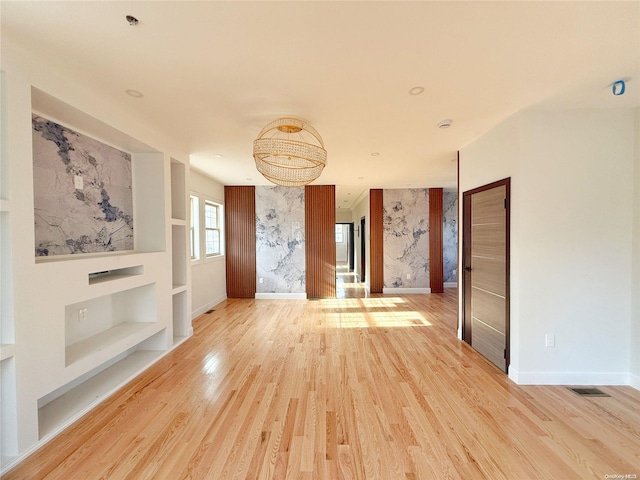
pixel 549 340
pixel 261 280
pixel 82 315
pixel 408 276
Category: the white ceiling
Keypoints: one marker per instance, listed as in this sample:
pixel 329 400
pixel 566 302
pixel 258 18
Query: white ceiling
pixel 214 73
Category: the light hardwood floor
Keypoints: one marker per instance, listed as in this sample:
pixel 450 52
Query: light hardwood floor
pixel 354 388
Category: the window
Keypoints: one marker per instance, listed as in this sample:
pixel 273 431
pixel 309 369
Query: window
pixel 212 228
pixel 194 227
pixel 339 234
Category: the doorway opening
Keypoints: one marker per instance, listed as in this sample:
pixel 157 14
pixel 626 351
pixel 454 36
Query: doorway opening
pixel 347 281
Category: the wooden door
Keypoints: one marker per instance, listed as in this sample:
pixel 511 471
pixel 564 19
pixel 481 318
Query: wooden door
pixel 486 271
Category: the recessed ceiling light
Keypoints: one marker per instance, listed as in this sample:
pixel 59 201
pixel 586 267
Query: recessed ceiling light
pixel 375 154
pixel 249 179
pixel 445 123
pixel 416 91
pixel 217 155
pixel 360 178
pixel 134 93
pixel 133 21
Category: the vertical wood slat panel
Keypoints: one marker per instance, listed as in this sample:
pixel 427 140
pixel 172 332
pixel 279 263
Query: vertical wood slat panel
pixel 436 262
pixel 240 235
pixel 376 241
pixel 320 240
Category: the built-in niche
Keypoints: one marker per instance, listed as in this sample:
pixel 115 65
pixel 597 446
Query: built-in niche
pixel 83 198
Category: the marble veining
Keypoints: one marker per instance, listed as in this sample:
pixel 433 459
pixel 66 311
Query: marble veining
pixel 406 238
pixel 450 236
pixel 280 244
pixel 83 199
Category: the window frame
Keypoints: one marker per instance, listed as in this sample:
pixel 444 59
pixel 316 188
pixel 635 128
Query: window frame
pixel 194 227
pixel 219 208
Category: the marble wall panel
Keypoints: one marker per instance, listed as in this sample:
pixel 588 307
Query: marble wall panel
pixel 280 244
pixel 83 196
pixel 406 238
pixel 450 236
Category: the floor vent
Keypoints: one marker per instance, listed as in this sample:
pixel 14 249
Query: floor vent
pixel 211 310
pixel 589 392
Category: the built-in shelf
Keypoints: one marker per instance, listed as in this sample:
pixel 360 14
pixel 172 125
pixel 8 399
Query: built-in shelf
pixel 106 339
pixel 177 288
pixel 178 190
pixel 116 274
pixel 75 402
pixel 179 255
pixel 8 409
pixel 113 322
pixel 181 327
pixel 7 350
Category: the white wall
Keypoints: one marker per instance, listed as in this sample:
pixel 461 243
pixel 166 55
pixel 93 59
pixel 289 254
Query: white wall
pixel 635 286
pixel 572 195
pixel 343 216
pixel 208 278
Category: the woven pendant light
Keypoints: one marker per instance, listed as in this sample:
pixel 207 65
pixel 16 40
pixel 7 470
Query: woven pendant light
pixel 289 152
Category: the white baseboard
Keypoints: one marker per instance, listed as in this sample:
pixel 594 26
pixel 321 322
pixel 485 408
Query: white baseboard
pixel 634 381
pixel 281 296
pixel 209 305
pixel 450 284
pixel 405 290
pixel 570 378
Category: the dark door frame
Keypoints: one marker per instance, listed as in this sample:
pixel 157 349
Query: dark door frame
pixel 350 245
pixel 466 261
pixel 363 258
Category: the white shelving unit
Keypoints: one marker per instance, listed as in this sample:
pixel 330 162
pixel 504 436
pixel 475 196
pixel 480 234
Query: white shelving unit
pixel 8 400
pixel 180 273
pixel 65 405
pixel 75 328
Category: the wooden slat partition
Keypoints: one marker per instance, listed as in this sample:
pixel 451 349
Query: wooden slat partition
pixel 436 262
pixel 320 240
pixel 376 240
pixel 240 235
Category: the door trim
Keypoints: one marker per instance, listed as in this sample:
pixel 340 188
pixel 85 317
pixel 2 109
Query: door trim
pixel 466 256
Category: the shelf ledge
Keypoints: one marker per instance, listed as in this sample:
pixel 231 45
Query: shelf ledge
pixel 65 409
pixel 96 343
pixel 7 350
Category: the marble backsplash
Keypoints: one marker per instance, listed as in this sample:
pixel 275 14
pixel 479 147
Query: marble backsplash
pixel 406 238
pixel 280 244
pixel 450 236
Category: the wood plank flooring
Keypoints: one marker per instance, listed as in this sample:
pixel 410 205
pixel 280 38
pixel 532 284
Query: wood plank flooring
pixel 348 388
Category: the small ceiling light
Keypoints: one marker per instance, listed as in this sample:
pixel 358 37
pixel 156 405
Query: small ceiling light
pixel 445 123
pixel 416 91
pixel 217 155
pixel 375 154
pixel 360 178
pixel 134 93
pixel 132 20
